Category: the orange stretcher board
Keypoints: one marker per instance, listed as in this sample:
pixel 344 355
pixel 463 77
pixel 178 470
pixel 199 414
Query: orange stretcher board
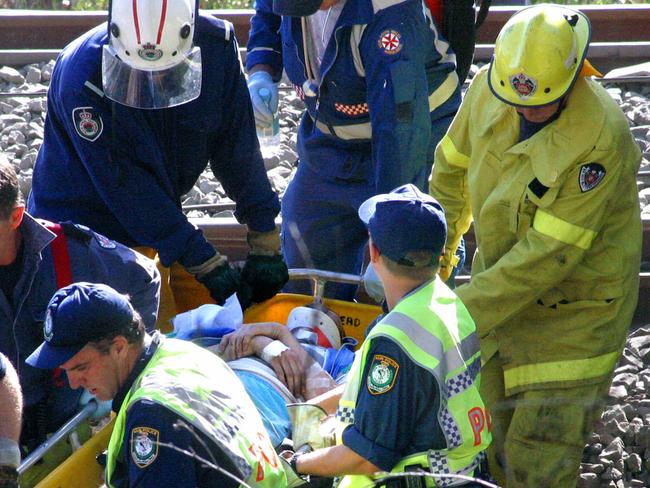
pixel 81 470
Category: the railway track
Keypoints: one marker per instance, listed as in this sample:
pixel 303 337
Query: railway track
pixel 620 38
pixel 620 33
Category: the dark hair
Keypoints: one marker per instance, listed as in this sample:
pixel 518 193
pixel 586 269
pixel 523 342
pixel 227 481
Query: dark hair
pixel 10 195
pixel 133 332
pixel 419 272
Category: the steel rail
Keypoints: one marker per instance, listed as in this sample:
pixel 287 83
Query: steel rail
pixel 40 29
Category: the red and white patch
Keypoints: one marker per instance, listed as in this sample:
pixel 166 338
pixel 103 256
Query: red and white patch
pixel 390 41
pixel 87 123
pixel 525 86
pixel 352 110
pixel 590 175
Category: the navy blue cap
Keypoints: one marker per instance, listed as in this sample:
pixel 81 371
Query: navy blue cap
pixel 296 8
pixel 76 315
pixel 405 221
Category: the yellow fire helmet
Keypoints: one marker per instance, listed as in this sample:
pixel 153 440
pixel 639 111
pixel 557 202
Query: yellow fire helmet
pixel 539 54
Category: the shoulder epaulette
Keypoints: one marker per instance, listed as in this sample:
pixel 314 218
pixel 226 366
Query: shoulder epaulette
pixel 77 231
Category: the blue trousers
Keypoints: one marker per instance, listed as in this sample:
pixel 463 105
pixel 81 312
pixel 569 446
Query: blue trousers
pixel 321 229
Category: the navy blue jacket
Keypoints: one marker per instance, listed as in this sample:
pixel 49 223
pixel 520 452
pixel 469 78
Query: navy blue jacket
pixel 173 467
pixel 93 258
pixel 122 171
pixel 387 78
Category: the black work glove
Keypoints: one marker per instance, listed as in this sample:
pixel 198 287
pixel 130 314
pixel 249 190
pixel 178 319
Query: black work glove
pixel 218 277
pixel 8 477
pixel 266 275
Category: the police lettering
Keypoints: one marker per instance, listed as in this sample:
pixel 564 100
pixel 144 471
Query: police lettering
pixel 479 420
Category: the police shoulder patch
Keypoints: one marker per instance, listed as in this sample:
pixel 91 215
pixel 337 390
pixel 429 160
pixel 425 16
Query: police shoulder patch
pixel 144 445
pixel 87 123
pixel 590 176
pixel 381 374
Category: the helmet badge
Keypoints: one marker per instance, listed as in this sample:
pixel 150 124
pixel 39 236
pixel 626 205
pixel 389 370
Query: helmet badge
pixel 524 85
pixel 148 52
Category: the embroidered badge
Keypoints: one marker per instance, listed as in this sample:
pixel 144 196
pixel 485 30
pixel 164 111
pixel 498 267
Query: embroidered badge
pixel 390 41
pixel 87 123
pixel 525 86
pixel 48 331
pixel 144 446
pixel 105 242
pixel 382 374
pixel 590 175
pixel 149 52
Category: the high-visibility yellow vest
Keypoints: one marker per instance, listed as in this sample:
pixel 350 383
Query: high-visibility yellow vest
pixel 184 378
pixel 433 327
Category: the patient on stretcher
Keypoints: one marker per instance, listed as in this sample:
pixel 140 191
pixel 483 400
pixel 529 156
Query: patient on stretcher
pixel 280 365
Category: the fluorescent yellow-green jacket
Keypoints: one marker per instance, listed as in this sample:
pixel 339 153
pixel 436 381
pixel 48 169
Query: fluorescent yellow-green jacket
pixel 200 388
pixel 437 333
pixel 555 278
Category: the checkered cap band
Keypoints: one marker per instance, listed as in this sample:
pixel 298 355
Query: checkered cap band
pixel 352 110
pixel 450 429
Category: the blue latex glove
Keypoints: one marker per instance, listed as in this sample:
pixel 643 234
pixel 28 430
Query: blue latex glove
pixel 103 408
pixel 264 96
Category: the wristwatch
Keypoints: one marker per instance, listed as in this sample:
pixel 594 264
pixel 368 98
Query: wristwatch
pixel 292 462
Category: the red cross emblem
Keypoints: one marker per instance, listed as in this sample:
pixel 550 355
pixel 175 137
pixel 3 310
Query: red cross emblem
pixel 390 42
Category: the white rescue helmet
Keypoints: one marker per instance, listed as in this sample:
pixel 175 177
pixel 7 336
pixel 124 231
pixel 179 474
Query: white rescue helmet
pixel 318 322
pixel 150 61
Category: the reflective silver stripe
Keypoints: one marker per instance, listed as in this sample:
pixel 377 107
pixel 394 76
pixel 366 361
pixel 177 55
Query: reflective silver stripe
pixel 443 92
pixel 94 88
pixel 264 49
pixel 229 28
pixel 364 130
pixel 347 132
pixel 431 345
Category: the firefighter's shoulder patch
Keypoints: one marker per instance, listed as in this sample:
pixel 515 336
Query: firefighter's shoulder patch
pixel 88 123
pixel 590 176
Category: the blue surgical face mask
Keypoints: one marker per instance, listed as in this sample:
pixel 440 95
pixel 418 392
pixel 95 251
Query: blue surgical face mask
pixel 372 284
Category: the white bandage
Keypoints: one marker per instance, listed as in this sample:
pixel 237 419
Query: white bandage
pixel 273 350
pixel 9 453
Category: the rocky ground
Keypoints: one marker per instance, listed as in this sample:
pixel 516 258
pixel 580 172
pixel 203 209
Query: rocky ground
pixel 618 454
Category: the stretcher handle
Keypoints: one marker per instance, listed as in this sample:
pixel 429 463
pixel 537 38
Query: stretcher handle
pixel 60 434
pixel 320 278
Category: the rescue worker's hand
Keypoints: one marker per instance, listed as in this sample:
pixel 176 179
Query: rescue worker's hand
pixel 265 270
pixel 289 367
pixel 264 96
pixel 218 277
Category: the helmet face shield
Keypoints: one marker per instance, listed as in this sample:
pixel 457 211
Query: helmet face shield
pixel 538 55
pixel 151 89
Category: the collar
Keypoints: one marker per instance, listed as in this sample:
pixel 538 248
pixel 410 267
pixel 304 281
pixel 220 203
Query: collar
pixel 36 236
pixel 140 364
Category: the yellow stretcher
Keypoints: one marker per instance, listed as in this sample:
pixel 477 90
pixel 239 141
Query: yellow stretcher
pixel 81 469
